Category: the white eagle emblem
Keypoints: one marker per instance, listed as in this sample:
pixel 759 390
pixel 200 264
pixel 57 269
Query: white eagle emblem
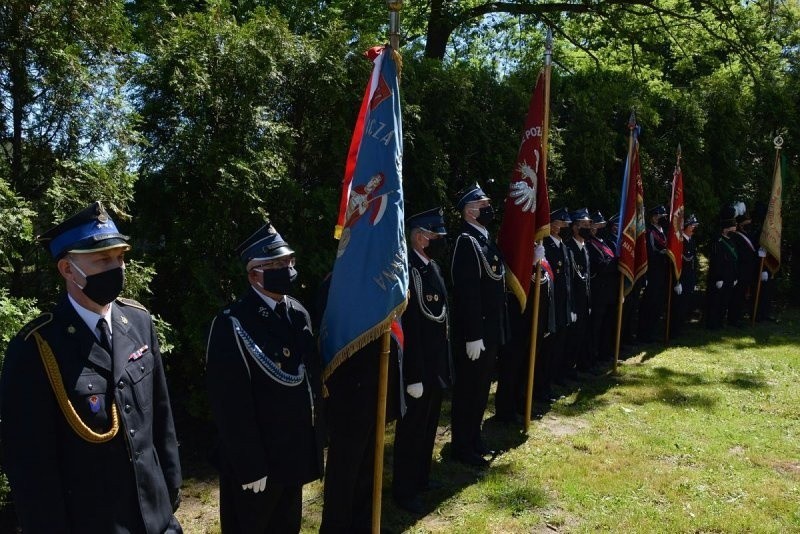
pixel 524 195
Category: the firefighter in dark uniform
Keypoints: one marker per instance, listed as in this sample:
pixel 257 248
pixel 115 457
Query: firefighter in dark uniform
pixel 579 333
pixel 88 437
pixel 654 297
pixel 262 374
pixel 554 346
pixel 605 291
pixel 748 265
pixel 427 365
pixel 723 274
pixel 683 302
pixel 480 322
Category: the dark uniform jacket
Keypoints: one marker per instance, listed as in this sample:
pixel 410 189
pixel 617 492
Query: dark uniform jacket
pixel 558 258
pixel 689 268
pixel 426 356
pixel 479 295
pixel 722 262
pixel 581 276
pixel 657 260
pixel 603 268
pixel 262 401
pixel 62 483
pixel 747 253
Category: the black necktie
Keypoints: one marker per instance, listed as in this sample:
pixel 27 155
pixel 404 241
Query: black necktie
pixel 105 335
pixel 280 310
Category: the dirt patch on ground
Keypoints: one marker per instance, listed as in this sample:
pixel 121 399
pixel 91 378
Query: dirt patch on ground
pixel 562 426
pixel 199 512
pixel 788 468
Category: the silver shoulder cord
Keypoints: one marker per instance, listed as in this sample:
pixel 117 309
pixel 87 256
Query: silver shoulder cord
pixel 269 367
pixel 423 308
pixel 486 266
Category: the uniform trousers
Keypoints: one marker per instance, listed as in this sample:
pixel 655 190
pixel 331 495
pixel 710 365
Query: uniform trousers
pixel 277 509
pixel 470 396
pixel 413 443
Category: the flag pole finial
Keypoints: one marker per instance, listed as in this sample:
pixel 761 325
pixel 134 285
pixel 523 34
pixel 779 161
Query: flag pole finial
pixel 548 47
pixel 394 7
pixel 778 141
pixel 632 120
pixel 679 151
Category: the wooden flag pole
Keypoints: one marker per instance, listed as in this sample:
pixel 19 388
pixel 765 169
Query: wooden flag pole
pixel 538 277
pixel 621 301
pixel 380 425
pixel 669 307
pixel 383 369
pixel 758 294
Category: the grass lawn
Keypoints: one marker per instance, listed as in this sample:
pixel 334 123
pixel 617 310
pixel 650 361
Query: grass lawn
pixel 700 436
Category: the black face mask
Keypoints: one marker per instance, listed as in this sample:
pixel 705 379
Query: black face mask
pixel 278 280
pixel 485 216
pixel 585 233
pixel 437 248
pixel 102 288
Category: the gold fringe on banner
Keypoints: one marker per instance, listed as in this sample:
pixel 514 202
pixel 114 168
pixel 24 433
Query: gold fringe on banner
pixel 360 342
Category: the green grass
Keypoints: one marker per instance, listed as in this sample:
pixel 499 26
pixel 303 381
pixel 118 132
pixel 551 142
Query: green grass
pixel 699 436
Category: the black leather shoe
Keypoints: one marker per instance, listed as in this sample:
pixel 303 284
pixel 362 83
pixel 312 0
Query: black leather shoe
pixel 471 459
pixel 432 484
pixel 411 504
pixel 482 450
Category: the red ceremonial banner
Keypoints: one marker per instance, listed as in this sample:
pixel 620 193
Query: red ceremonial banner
pixel 675 235
pixel 526 218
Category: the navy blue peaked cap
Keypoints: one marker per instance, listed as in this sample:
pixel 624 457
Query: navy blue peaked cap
pixel 597 218
pixel 561 214
pixel 581 214
pixel 431 220
pixel 691 220
pixel 89 230
pixel 469 194
pixel 265 244
pixel 614 219
pixel 658 210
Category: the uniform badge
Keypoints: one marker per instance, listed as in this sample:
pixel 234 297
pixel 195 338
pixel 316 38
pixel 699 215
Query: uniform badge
pixel 278 364
pixel 436 298
pixel 428 298
pixel 71 329
pixel 287 352
pixel 123 319
pixel 94 404
pixel 494 268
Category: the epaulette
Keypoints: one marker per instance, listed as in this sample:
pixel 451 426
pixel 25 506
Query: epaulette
pixel 35 325
pixel 131 302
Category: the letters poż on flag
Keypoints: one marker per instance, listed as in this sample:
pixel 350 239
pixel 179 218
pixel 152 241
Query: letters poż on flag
pixel 526 217
pixel 369 282
pixel 675 235
pixel 631 244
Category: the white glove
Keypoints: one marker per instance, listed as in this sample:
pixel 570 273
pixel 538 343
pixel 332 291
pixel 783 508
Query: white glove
pixel 573 316
pixel 415 390
pixel 678 288
pixel 735 282
pixel 257 486
pixel 719 284
pixel 764 276
pixel 538 253
pixel 474 349
pixel 761 252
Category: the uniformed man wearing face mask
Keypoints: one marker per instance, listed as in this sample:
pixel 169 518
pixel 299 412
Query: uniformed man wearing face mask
pixel 579 335
pixel 262 374
pixel 654 297
pixel 88 437
pixel 427 365
pixel 481 323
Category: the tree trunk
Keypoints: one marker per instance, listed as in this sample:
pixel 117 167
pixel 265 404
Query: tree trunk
pixel 439 31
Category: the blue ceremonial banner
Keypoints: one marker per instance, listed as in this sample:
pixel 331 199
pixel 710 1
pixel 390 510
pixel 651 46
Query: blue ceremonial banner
pixel 370 276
